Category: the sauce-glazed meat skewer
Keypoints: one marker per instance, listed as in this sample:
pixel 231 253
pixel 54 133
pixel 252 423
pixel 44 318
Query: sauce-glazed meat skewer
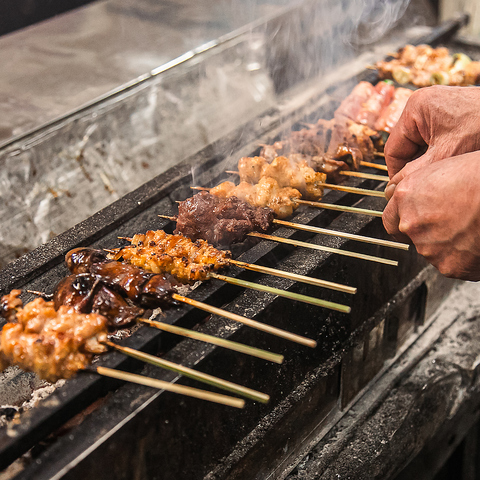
pixel 86 294
pixel 117 275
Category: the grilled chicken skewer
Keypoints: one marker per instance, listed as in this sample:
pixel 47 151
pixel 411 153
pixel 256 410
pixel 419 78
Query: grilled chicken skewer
pixel 149 254
pixel 57 344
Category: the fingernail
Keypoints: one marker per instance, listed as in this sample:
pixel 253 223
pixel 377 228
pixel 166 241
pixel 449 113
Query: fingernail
pixel 390 190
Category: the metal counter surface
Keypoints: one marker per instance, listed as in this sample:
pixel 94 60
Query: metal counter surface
pixel 56 66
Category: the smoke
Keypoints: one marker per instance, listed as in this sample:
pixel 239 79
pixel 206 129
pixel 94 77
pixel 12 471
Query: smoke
pixel 376 19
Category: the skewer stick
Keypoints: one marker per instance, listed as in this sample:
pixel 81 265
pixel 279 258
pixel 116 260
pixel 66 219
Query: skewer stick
pixel 314 246
pixel 189 372
pixel 379 154
pixel 221 342
pixel 294 276
pixel 356 190
pixel 350 236
pixel 171 387
pixel 369 176
pixel 348 173
pixel 247 321
pixel 359 191
pixel 341 208
pixel 283 293
pixel 281 273
pixel 374 165
pixel 328 206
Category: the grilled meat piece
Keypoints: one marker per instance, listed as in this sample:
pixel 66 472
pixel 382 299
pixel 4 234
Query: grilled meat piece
pixel 266 193
pixel 391 114
pixel 157 251
pixel 287 173
pixel 144 288
pixel 220 221
pixel 87 294
pixel 353 103
pixel 372 108
pixel 53 344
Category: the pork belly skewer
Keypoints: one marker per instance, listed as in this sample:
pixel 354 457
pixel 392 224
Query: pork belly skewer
pixel 57 344
pixel 85 293
pixel 224 221
pixel 130 280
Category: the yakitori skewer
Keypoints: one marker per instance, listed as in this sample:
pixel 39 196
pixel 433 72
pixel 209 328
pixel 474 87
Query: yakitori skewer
pixel 314 246
pixel 346 173
pixel 194 374
pixel 170 387
pixel 281 273
pixel 158 251
pixel 128 279
pixel 293 203
pixel 321 230
pixel 223 221
pixel 57 343
pixel 78 294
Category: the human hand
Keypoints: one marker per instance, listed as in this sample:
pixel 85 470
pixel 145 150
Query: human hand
pixel 437 207
pixel 438 122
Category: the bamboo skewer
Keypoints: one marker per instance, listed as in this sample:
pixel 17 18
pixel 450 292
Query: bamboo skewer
pixel 194 374
pixel 347 173
pixel 368 176
pixel 314 246
pixel 350 236
pixel 247 321
pixel 221 342
pixel 374 165
pixel 294 276
pixel 325 231
pixel 171 387
pixel 281 273
pixel 327 206
pixel 356 190
pixel 359 191
pixel 283 293
pixel 340 208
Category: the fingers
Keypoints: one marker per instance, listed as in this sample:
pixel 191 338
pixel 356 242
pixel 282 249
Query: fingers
pixel 411 167
pixel 406 141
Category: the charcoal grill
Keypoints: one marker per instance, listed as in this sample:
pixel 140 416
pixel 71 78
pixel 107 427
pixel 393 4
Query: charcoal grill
pixel 97 428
